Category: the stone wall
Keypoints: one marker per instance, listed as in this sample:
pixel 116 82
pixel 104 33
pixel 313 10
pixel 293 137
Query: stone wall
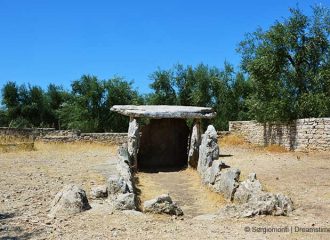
pixel 22 134
pixel 302 134
pixel 75 136
pixel 52 135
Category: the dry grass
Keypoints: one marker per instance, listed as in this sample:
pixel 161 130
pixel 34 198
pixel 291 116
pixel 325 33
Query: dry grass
pixel 235 140
pixel 17 144
pixel 16 147
pixel 9 139
pixel 210 196
pixel 232 139
pixel 9 143
pixel 74 146
pixel 184 187
pixel 275 148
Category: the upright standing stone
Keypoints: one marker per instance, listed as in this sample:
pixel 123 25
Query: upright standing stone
pixel 133 139
pixel 195 142
pixel 208 150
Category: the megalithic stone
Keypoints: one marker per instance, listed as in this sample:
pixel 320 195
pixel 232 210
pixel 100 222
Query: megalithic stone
pixel 208 150
pixel 195 142
pixel 133 141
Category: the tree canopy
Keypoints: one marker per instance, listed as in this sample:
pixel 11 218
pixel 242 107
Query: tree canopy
pixel 289 67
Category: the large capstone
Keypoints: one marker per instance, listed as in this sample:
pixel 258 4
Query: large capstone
pixel 164 144
pixel 164 111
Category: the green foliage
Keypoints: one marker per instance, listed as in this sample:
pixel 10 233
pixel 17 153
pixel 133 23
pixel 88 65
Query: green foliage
pixel 88 108
pixel 164 93
pixel 223 90
pixel 4 119
pixel 10 98
pixel 55 97
pixel 118 92
pixel 20 122
pixel 74 116
pixel 288 66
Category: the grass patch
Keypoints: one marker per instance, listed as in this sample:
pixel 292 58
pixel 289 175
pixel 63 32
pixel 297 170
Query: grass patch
pixel 275 148
pixel 74 146
pixel 15 147
pixel 10 139
pixel 209 196
pixel 232 139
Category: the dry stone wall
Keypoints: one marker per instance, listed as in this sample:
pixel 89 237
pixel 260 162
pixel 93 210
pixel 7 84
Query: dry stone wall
pixel 52 135
pixel 300 135
pixel 76 136
pixel 23 134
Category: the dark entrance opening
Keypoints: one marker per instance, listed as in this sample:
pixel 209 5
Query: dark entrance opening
pixel 164 145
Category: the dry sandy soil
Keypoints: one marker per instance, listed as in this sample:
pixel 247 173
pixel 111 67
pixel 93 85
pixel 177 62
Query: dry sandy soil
pixel 30 180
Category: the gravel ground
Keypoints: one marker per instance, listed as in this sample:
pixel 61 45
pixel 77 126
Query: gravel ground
pixel 30 180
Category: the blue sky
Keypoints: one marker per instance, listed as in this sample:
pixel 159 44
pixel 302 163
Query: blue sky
pixel 57 41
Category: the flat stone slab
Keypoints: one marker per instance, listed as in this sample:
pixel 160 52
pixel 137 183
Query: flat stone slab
pixel 164 111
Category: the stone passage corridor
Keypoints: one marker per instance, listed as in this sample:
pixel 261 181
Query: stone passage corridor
pixel 185 188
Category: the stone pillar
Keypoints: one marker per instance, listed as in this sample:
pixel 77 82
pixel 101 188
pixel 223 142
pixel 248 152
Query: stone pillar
pixel 133 141
pixel 195 142
pixel 208 151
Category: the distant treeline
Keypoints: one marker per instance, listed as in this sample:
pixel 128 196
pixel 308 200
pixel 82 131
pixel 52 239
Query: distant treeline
pixel 284 75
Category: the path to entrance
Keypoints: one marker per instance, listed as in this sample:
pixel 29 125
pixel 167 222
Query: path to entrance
pixel 184 188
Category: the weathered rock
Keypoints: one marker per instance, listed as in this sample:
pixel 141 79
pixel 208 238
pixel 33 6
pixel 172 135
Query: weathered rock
pixel 195 142
pixel 262 204
pixel 162 204
pixel 117 185
pixel 99 191
pixel 70 200
pixel 124 169
pixel 213 172
pixel 227 182
pixel 123 151
pixel 268 204
pixel 125 201
pixel 248 189
pixel 133 139
pixel 164 111
pixel 208 150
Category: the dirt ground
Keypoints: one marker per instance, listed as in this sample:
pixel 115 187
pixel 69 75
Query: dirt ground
pixel 30 180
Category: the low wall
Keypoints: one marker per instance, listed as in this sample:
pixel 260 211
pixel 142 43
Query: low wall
pixel 52 135
pixel 302 134
pixel 114 138
pixel 22 134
